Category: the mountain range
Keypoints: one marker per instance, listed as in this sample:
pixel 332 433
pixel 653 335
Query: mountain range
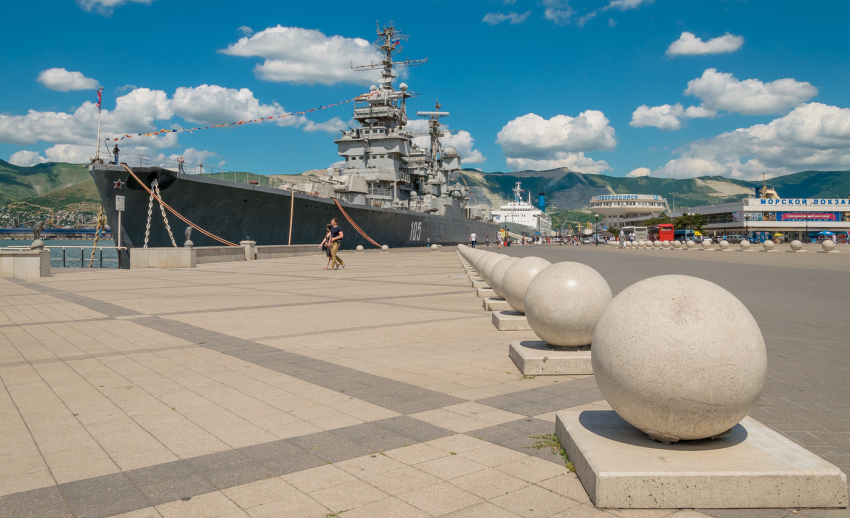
pixel 56 186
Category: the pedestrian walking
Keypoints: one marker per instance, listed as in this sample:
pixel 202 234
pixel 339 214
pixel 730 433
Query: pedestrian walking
pixel 487 241
pixel 326 244
pixel 472 239
pixel 336 241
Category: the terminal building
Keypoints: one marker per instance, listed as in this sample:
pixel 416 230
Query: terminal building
pixel 764 218
pixel 623 210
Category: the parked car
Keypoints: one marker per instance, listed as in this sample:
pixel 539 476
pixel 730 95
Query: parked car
pixel 734 240
pixel 587 241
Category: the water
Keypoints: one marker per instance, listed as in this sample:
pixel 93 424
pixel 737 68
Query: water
pixel 72 252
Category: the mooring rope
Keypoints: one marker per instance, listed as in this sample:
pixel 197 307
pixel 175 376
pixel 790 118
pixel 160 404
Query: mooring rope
pixel 168 207
pixel 353 224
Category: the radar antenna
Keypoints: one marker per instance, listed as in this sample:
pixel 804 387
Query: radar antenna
pixel 389 43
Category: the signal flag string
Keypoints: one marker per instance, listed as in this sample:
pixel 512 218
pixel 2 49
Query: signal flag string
pixel 237 123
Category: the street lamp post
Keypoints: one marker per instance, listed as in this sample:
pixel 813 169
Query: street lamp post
pixel 596 230
pixel 673 194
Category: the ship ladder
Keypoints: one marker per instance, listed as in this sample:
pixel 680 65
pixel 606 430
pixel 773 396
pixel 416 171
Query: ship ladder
pixel 353 224
pixel 165 206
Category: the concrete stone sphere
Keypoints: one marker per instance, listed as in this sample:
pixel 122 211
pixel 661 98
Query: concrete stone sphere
pixel 665 243
pixel 658 244
pixel 828 245
pixel 641 243
pixel 479 261
pixel 706 244
pixel 724 244
pixel 745 245
pixel 434 248
pixel 768 244
pixel 487 269
pixel 564 301
pixel 677 244
pixel 796 245
pixel 497 274
pixel 690 378
pixel 359 248
pixel 517 278
pixel 384 248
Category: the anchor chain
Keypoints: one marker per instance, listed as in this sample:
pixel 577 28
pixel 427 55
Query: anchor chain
pixel 155 185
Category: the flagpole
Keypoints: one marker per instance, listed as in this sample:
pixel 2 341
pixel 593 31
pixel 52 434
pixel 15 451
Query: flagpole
pixel 97 151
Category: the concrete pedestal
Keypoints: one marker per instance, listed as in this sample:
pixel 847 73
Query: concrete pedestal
pixel 162 257
pixel 496 304
pixel 486 292
pixel 25 264
pixel 796 251
pixel 537 358
pixel 250 249
pixel 510 321
pixel 753 467
pixel 479 283
pixel 830 252
pixel 771 251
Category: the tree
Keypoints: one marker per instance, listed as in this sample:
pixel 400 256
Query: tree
pixel 689 222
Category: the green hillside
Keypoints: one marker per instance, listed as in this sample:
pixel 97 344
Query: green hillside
pixel 568 190
pixel 18 183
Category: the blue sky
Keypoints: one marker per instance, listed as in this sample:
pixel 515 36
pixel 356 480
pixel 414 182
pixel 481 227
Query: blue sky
pixel 595 85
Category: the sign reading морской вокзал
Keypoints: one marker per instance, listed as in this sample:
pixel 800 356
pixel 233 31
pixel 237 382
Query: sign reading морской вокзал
pixel 798 202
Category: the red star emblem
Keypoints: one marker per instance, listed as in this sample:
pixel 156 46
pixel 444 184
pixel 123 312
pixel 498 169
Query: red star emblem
pixel 118 184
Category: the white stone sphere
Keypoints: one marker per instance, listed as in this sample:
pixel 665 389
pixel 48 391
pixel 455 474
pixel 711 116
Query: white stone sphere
pixel 518 277
pixel 665 243
pixel 768 244
pixel 480 259
pixel 359 248
pixel 677 244
pixel 706 244
pixel 641 243
pixel 434 248
pixel 724 244
pixel 385 248
pixel 487 268
pixel 796 245
pixel 657 244
pixel 564 301
pixel 690 244
pixel 497 274
pixel 689 378
pixel 745 244
pixel 828 245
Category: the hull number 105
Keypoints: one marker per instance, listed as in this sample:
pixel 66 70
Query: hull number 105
pixel 416 231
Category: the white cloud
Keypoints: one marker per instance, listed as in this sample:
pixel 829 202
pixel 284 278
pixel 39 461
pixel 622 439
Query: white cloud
pixel 667 117
pixel 689 45
pixel 497 18
pixel 532 136
pixel 105 7
pixel 306 56
pixel 611 22
pixel 625 5
pixel 211 104
pixel 664 117
pixel 462 141
pixel 247 31
pixel 573 161
pixel 812 136
pixel 134 113
pixel 63 81
pixel 532 142
pixel 586 18
pixel 334 125
pixel 723 91
pixel 26 158
pixel 558 11
pixel 637 173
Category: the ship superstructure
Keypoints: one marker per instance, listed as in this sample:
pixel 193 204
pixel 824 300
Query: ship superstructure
pixel 381 164
pixel 523 213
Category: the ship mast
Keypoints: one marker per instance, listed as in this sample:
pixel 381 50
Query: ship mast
pixel 389 42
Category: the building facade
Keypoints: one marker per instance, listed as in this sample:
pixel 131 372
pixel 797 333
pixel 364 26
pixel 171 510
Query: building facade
pixel 764 218
pixel 620 210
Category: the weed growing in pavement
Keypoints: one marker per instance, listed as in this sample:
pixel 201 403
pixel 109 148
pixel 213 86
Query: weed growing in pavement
pixel 551 441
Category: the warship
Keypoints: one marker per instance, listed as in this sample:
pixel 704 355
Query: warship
pixel 385 190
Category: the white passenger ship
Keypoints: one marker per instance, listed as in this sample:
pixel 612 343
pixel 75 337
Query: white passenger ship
pixel 523 213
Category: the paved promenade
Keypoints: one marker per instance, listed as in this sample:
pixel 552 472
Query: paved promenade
pixel 274 388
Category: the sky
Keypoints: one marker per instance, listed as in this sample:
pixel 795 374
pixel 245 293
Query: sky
pixel 665 88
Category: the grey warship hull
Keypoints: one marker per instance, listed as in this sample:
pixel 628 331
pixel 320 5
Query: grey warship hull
pixel 236 212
